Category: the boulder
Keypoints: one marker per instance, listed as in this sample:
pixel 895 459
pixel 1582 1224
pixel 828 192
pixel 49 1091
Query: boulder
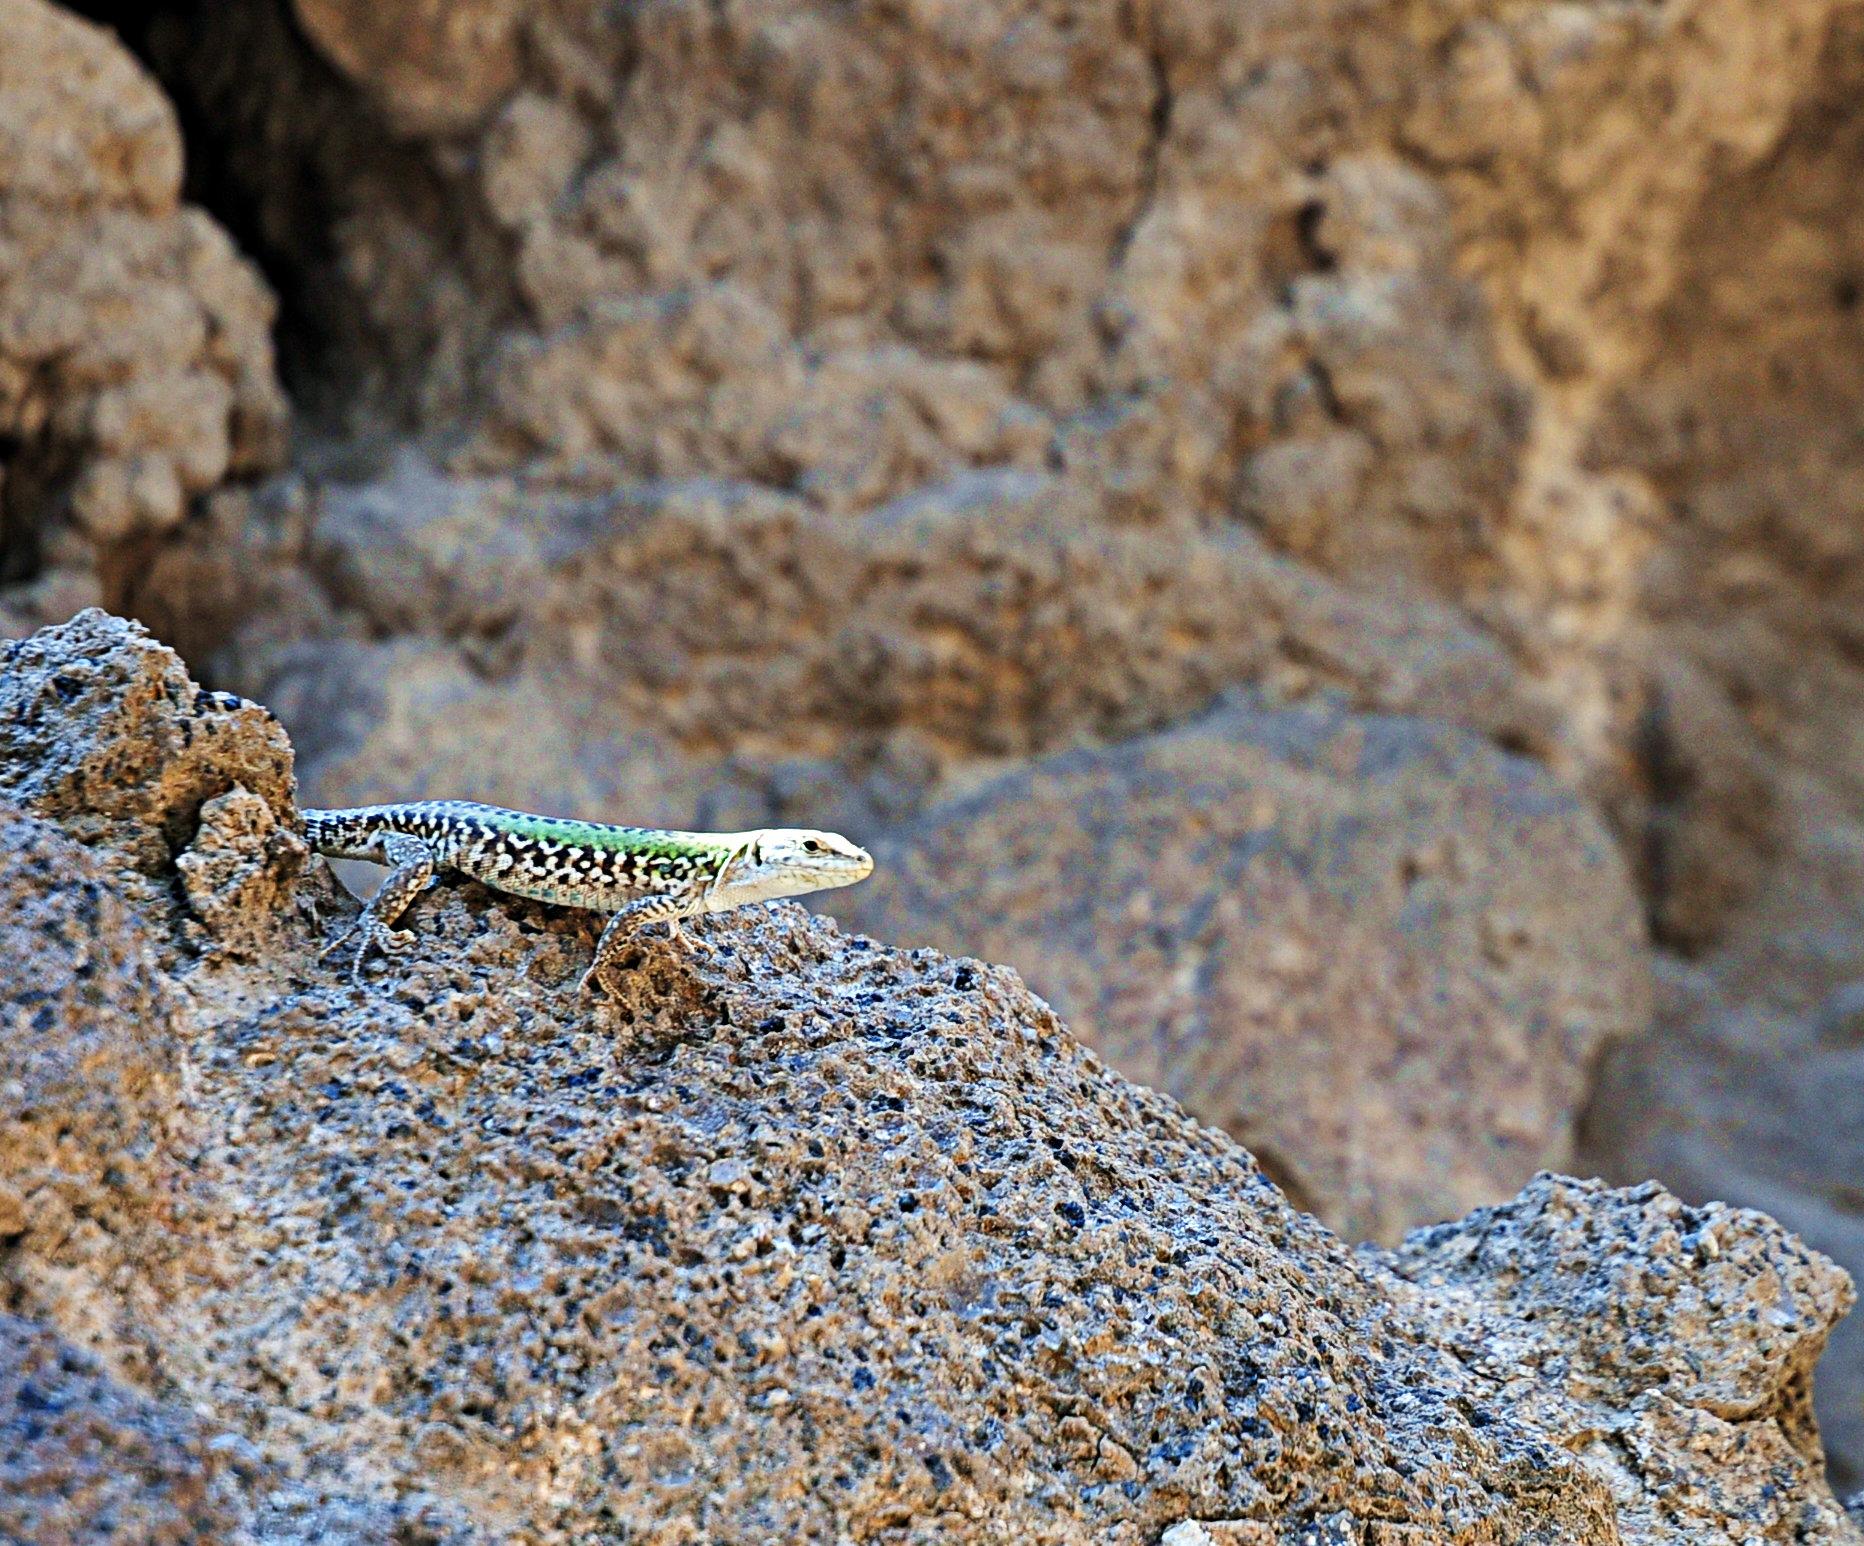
pixel 806 1236
pixel 135 350
pixel 1307 924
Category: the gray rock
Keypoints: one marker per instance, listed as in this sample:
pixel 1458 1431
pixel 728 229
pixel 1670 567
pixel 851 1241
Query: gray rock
pixel 809 1236
pixel 1310 926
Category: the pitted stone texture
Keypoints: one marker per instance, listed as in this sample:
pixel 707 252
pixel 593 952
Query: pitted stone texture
pixel 91 1114
pixel 240 872
pixel 103 730
pixel 806 1239
pixel 1670 1347
pixel 1308 925
pixel 135 352
pixel 1471 299
pixel 83 1459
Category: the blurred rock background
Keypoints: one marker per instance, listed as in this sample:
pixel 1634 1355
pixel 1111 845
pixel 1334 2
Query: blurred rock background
pixel 1326 534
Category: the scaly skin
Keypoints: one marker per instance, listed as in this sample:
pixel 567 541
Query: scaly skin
pixel 640 874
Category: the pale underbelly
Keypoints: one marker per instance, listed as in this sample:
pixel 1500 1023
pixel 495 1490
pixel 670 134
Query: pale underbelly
pixel 604 896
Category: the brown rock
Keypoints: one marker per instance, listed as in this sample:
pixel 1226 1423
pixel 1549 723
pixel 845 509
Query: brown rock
pixel 102 729
pixel 1548 312
pixel 893 1251
pixel 969 619
pixel 432 65
pixel 1307 925
pixel 135 359
pixel 84 1459
pixel 807 1237
pixel 91 1122
pixel 239 871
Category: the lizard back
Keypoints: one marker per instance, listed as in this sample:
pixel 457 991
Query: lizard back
pixel 545 858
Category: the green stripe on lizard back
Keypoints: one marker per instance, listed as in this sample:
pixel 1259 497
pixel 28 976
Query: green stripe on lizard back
pixel 640 874
pixel 546 858
pixel 602 835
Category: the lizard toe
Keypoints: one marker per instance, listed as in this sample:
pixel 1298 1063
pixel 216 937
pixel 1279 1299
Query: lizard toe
pixel 333 946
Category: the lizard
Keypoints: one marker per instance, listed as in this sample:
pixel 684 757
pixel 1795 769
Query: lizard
pixel 639 874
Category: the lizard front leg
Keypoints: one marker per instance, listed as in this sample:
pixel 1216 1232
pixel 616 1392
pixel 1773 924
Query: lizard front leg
pixel 413 870
pixel 647 909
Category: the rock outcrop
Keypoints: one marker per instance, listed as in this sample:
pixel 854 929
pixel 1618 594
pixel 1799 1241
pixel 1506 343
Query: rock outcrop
pixel 135 350
pixel 804 1237
pixel 1305 924
pixel 722 411
pixel 84 1459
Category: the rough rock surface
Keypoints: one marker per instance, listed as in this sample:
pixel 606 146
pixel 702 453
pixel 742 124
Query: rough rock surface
pixel 1307 925
pixel 109 735
pixel 966 625
pixel 135 354
pixel 1549 312
pixel 811 1236
pixel 1694 1319
pixel 83 1459
pixel 90 1085
pixel 1765 1105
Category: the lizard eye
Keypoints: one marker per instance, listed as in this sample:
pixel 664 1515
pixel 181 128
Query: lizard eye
pixel 810 845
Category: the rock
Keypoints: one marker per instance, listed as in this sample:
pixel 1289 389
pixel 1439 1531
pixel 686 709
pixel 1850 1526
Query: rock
pixel 969 619
pixel 1765 1110
pixel 908 1203
pixel 808 1236
pixel 1501 314
pixel 1670 1347
pixel 433 66
pixel 239 871
pixel 135 358
pixel 82 1458
pixel 91 1116
pixel 1306 924
pixel 102 729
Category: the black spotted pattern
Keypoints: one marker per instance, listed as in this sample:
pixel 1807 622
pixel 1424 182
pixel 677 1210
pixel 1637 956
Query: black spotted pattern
pixel 545 858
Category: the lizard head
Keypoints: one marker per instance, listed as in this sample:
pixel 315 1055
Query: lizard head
pixel 789 861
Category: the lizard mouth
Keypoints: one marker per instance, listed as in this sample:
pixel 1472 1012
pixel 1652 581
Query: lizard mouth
pixel 842 869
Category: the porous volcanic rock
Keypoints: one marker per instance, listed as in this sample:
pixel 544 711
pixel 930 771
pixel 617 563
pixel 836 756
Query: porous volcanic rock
pixel 1669 1347
pixel 805 1236
pixel 84 1459
pixel 1549 312
pixel 90 1096
pixel 135 351
pixel 1307 924
pixel 107 734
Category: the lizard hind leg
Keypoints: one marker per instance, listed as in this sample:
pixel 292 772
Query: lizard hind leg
pixel 647 909
pixel 412 872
